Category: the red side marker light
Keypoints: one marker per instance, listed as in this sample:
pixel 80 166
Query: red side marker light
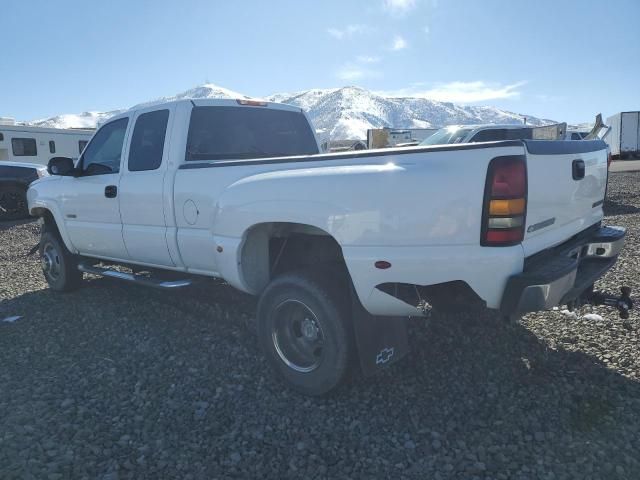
pixel 382 264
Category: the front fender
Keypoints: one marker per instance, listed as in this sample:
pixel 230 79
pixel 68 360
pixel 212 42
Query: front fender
pixel 39 204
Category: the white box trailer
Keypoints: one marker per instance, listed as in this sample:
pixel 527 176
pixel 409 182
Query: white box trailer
pixel 27 144
pixel 624 138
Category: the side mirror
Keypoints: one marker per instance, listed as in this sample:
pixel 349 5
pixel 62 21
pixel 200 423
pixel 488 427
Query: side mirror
pixel 62 166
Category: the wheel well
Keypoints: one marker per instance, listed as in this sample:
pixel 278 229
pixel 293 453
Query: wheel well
pixel 49 222
pixel 271 249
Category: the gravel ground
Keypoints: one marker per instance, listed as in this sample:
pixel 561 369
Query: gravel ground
pixel 117 382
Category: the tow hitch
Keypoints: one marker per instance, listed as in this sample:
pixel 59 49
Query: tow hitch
pixel 623 303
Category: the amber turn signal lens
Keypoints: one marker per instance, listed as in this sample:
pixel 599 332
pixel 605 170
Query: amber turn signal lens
pixel 507 207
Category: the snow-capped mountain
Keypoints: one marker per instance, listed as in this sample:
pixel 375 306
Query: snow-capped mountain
pixel 73 120
pixel 337 113
pixel 92 119
pixel 347 113
pixel 208 90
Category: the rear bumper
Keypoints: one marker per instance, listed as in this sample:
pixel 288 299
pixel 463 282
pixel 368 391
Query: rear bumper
pixel 561 275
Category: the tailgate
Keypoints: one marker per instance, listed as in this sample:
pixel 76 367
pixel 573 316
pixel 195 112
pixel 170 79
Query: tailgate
pixel 561 200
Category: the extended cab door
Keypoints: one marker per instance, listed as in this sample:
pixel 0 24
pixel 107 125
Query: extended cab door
pixel 90 201
pixel 142 195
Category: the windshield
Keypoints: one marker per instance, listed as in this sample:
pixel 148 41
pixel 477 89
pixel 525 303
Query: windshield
pixel 447 135
pixel 247 132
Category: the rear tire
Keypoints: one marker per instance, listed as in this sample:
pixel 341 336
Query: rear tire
pixel 13 202
pixel 59 265
pixel 304 332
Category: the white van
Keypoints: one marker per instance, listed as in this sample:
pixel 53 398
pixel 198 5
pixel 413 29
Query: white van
pixel 22 143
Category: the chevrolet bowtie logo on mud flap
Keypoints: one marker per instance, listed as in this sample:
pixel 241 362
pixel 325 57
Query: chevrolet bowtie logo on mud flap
pixel 384 355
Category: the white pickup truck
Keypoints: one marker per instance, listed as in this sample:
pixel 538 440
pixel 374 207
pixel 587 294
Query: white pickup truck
pixel 337 246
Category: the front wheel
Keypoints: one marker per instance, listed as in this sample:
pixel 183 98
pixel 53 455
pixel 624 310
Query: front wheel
pixel 59 265
pixel 303 330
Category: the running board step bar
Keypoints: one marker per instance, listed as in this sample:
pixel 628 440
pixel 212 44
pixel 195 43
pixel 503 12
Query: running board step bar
pixel 132 277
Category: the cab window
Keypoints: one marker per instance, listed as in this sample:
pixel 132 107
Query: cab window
pixel 102 155
pixel 147 142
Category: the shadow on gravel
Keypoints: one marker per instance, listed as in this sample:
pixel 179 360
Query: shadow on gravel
pixel 114 370
pixel 14 223
pixel 613 206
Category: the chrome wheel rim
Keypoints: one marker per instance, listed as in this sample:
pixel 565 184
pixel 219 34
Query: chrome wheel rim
pixel 297 336
pixel 51 262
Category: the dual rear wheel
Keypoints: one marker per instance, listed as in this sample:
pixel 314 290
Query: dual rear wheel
pixel 303 328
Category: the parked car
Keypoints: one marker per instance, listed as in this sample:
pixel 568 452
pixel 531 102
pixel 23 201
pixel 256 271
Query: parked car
pixel 337 246
pixel 455 134
pixel 15 178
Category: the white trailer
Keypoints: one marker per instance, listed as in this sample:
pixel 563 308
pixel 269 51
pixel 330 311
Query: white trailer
pixel 27 144
pixel 24 153
pixel 624 138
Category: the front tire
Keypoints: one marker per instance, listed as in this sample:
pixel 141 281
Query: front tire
pixel 304 332
pixel 59 265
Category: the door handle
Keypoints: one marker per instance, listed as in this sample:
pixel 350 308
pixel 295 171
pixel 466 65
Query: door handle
pixel 111 191
pixel 577 169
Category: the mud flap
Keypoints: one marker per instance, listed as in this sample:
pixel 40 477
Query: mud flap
pixel 381 341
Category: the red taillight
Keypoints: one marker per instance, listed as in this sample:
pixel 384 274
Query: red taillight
pixel 509 180
pixel 505 202
pixel 502 236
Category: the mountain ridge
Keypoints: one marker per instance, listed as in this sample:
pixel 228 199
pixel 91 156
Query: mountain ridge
pixel 342 113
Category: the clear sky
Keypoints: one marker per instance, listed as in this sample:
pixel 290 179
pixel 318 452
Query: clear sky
pixel 564 60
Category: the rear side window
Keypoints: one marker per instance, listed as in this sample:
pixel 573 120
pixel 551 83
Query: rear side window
pixel 225 133
pixel 24 147
pixel 52 146
pixel 1 137
pixel 147 143
pixel 81 145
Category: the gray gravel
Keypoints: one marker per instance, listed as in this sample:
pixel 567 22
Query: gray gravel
pixel 117 382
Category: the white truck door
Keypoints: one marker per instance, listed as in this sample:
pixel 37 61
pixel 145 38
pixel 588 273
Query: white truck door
pixel 90 201
pixel 142 188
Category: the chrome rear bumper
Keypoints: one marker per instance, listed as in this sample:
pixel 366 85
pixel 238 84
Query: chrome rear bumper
pixel 562 275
